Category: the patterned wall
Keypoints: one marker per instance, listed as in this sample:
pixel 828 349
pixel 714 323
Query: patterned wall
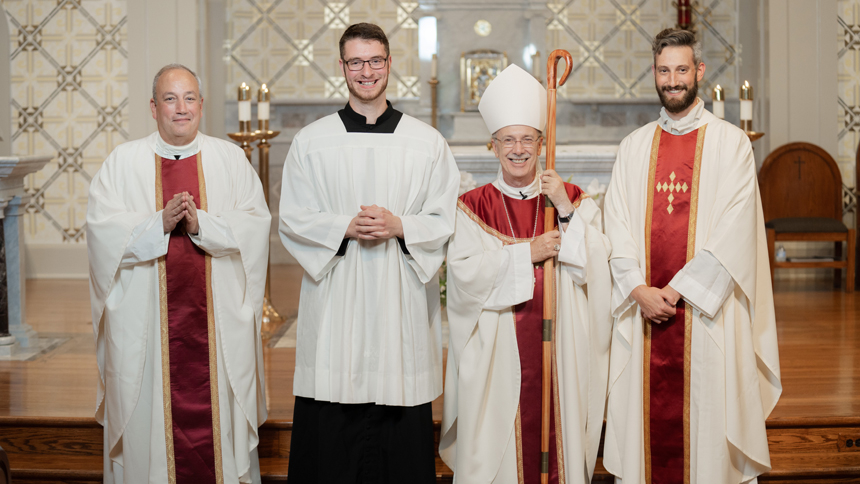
pixel 291 45
pixel 610 41
pixel 849 87
pixel 69 90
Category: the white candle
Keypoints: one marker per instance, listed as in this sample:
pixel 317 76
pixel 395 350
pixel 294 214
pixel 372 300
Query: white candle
pixel 719 107
pixel 244 110
pixel 263 103
pixel 746 110
pixel 746 102
pixel 536 65
pixel 244 102
pixel 434 67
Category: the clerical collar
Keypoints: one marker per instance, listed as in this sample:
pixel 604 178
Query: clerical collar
pixel 684 125
pixel 356 123
pixel 169 151
pixel 519 193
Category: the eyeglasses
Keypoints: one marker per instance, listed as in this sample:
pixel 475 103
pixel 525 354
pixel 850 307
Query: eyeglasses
pixel 357 64
pixel 509 142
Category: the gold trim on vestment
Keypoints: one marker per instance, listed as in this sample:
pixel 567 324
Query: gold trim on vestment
pixel 518 424
pixel 688 310
pixel 646 372
pixel 506 239
pixel 165 338
pixel 559 433
pixel 213 342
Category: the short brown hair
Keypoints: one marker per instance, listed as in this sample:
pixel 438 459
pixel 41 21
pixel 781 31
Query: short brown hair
pixel 677 38
pixel 364 31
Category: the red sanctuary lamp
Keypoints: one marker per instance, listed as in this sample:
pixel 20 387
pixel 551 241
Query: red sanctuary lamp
pixel 685 14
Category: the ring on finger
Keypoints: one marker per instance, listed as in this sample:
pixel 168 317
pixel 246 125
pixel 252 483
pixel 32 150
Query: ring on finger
pixel 556 247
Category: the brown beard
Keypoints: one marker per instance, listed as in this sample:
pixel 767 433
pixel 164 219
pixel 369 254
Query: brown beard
pixel 677 106
pixel 363 96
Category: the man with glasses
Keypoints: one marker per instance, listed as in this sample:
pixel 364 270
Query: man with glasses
pixel 492 423
pixel 367 205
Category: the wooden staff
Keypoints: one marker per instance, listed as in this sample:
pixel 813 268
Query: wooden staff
pixel 548 265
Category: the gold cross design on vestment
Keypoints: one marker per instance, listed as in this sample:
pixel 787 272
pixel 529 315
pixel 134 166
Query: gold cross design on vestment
pixel 671 187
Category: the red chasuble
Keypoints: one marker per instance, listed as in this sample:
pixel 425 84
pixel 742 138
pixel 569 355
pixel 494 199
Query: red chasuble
pixel 670 237
pixel 189 370
pixel 487 206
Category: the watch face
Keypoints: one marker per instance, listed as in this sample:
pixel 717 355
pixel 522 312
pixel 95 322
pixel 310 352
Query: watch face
pixel 483 28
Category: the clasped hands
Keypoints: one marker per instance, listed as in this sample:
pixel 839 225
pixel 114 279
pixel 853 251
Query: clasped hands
pixel 180 207
pixel 657 304
pixel 374 223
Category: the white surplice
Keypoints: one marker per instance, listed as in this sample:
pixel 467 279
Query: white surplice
pixel 486 279
pixel 735 381
pixel 369 323
pixel 125 238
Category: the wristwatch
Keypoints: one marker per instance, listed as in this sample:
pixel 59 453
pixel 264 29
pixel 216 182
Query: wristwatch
pixel 566 218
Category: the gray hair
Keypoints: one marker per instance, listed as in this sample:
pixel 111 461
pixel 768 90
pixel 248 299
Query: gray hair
pixel 677 38
pixel 170 67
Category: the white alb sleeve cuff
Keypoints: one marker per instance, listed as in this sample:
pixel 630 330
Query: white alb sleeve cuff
pixel 148 241
pixel 515 282
pixel 573 253
pixel 626 276
pixel 704 283
pixel 214 235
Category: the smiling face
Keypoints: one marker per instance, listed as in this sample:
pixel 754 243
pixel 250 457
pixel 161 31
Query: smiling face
pixel 178 107
pixel 519 162
pixel 677 77
pixel 366 85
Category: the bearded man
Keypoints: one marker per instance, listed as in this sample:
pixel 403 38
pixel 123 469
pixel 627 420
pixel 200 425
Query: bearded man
pixel 694 369
pixel 492 424
pixel 367 205
pixel 177 238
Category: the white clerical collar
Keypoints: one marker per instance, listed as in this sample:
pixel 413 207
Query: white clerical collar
pixel 519 193
pixel 165 150
pixel 684 125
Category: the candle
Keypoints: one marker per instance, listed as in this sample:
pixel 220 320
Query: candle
pixel 746 106
pixel 719 98
pixel 536 64
pixel 263 103
pixel 244 102
pixel 434 67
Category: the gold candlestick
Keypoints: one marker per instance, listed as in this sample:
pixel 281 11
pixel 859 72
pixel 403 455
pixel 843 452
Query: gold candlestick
pixel 434 104
pixel 271 318
pixel 245 139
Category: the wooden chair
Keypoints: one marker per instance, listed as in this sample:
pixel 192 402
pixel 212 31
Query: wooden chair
pixel 801 195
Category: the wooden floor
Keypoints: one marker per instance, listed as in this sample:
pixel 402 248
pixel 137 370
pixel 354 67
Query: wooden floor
pixel 819 345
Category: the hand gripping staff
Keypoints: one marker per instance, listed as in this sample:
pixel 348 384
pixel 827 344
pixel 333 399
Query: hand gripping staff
pixel 548 265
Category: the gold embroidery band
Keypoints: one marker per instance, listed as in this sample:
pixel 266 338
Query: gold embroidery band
pixel 213 343
pixel 165 338
pixel 559 434
pixel 646 371
pixel 688 310
pixel 506 239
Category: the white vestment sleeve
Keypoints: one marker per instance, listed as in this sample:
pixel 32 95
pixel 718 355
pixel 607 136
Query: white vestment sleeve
pixel 627 276
pixel 214 235
pixel 573 251
pixel 704 283
pixel 148 241
pixel 515 281
pixel 310 233
pixel 426 232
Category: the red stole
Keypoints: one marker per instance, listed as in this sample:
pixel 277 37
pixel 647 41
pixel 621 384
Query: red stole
pixel 486 206
pixel 670 237
pixel 189 368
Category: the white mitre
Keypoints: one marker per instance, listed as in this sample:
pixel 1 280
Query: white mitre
pixel 514 97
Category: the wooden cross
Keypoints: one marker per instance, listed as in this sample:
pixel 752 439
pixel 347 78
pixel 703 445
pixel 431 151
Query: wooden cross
pixel 799 162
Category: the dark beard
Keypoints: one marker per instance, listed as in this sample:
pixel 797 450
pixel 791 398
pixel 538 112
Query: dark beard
pixel 679 105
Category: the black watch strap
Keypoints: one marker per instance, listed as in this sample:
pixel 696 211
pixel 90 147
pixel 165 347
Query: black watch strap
pixel 565 219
